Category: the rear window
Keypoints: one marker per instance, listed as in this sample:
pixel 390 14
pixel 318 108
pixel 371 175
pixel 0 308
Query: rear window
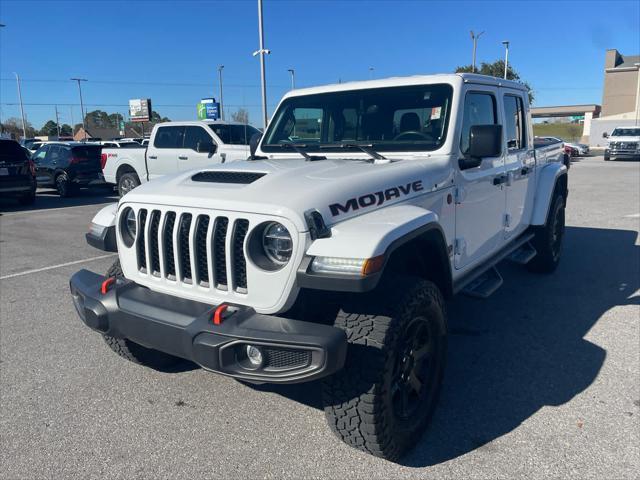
pixel 11 150
pixel 130 145
pixel 234 134
pixel 87 151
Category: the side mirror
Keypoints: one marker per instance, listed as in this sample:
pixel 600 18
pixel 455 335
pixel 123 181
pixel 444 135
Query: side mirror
pixel 253 143
pixel 484 141
pixel 605 135
pixel 206 147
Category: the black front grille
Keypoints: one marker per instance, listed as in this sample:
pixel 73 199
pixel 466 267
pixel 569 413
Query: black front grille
pixel 170 251
pixel 283 358
pixel 202 262
pixel 220 250
pixel 154 250
pixel 239 262
pixel 183 247
pixel 243 178
pixel 141 247
pixel 167 239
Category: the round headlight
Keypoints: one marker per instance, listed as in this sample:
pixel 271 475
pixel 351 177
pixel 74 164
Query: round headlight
pixel 128 226
pixel 277 243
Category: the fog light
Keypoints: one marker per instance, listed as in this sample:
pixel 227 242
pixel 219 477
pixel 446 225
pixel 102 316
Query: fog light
pixel 254 355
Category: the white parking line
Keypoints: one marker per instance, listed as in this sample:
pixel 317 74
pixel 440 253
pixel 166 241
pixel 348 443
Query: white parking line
pixel 633 215
pixel 42 210
pixel 75 262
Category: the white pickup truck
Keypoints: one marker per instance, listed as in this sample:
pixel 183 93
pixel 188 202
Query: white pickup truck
pixel 624 142
pixel 175 147
pixel 330 253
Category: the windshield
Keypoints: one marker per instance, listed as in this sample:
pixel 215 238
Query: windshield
pixel 234 134
pixel 412 118
pixel 626 132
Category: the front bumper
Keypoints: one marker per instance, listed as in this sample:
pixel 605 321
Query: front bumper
pixel 613 153
pixel 293 351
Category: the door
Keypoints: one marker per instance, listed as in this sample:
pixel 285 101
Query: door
pixel 199 149
pixel 519 165
pixel 162 156
pixel 481 191
pixel 39 157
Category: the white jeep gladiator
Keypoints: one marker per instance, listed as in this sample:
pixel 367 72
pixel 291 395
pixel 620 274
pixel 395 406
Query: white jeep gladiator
pixel 331 252
pixel 176 147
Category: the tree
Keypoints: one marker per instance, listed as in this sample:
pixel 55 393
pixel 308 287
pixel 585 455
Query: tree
pixel 496 69
pixel 241 116
pixel 65 130
pixel 157 118
pixel 13 126
pixel 50 129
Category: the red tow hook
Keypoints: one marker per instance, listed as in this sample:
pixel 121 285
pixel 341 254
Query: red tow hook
pixel 217 316
pixel 106 285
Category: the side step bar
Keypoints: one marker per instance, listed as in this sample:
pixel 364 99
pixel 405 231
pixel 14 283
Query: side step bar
pixel 523 255
pixel 493 278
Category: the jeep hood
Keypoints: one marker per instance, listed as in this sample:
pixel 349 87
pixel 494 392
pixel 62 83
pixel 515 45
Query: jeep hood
pixel 288 187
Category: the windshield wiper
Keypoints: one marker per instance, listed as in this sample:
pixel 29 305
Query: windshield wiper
pixel 366 148
pixel 299 148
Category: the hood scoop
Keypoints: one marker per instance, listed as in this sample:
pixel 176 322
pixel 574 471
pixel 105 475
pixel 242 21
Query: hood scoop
pixel 224 176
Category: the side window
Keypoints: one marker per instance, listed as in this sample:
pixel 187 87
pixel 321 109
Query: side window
pixel 479 109
pixel 514 122
pixel 195 135
pixel 38 156
pixel 54 154
pixel 169 137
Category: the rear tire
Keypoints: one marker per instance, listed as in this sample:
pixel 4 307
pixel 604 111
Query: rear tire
pixel 135 352
pixel 127 182
pixel 383 399
pixel 548 239
pixel 64 187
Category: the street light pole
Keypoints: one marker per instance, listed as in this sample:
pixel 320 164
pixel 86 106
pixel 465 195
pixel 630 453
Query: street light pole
pixel 24 124
pixel 293 78
pixel 262 52
pixel 57 122
pixel 506 57
pixel 637 65
pixel 84 126
pixel 220 68
pixel 475 38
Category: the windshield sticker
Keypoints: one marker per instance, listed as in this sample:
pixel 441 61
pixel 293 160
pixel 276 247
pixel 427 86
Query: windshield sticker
pixel 376 198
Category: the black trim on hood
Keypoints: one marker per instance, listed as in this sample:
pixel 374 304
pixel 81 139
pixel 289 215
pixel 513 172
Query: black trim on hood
pixel 242 178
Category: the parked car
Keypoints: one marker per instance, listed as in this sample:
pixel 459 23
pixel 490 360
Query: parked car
pixel 624 142
pixel 554 147
pixel 17 173
pixel 331 257
pixel 68 166
pixel 28 142
pixel 174 147
pixel 574 149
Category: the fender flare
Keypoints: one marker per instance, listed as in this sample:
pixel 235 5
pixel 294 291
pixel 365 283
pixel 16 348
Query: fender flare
pixel 547 180
pixel 102 232
pixel 377 233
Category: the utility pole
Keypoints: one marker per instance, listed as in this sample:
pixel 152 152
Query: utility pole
pixel 24 124
pixel 475 38
pixel 220 68
pixel 293 78
pixel 637 65
pixel 262 52
pixel 84 126
pixel 506 57
pixel 57 122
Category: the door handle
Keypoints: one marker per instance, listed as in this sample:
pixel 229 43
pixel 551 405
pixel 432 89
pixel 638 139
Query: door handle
pixel 153 157
pixel 182 157
pixel 499 180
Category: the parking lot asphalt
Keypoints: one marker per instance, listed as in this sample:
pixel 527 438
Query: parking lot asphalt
pixel 543 378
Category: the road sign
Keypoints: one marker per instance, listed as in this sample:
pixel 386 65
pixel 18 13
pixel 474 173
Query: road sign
pixel 208 109
pixel 140 109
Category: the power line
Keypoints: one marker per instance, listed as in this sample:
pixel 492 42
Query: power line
pixel 131 82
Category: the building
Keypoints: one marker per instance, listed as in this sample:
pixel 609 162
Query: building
pixel 620 95
pixel 105 133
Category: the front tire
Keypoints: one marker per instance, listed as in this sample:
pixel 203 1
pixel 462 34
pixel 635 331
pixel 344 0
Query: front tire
pixel 135 352
pixel 548 239
pixel 383 399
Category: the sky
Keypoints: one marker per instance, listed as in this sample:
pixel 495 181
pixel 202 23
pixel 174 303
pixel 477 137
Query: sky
pixel 169 50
